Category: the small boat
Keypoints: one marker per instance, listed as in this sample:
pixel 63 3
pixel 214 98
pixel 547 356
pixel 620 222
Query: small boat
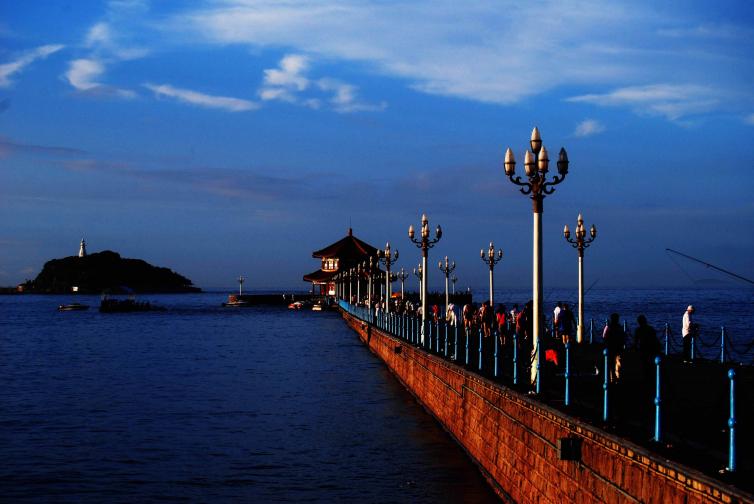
pixel 317 307
pixel 112 305
pixel 73 307
pixel 236 300
pixel 296 305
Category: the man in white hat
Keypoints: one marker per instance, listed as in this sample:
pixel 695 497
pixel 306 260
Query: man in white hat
pixel 688 332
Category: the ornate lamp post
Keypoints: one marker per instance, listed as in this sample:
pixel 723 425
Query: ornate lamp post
pixel 453 280
pixel 536 164
pixel 447 269
pixel 424 244
pixel 368 268
pixel 358 283
pixel 402 276
pixel 418 274
pixel 241 280
pixel 350 285
pixel 491 259
pixel 580 243
pixel 385 257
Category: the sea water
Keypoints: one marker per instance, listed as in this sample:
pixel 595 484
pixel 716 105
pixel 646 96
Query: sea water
pixel 260 404
pixel 201 403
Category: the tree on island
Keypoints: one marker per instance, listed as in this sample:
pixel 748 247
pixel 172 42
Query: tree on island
pixel 106 271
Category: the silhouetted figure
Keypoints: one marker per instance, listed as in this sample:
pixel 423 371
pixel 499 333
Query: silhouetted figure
pixel 566 324
pixel 615 340
pixel 689 331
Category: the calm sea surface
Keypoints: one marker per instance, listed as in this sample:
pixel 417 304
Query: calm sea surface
pixel 202 403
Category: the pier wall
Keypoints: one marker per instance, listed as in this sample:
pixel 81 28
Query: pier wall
pixel 516 440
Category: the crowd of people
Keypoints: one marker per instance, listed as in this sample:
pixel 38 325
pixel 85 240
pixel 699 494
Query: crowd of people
pixel 516 325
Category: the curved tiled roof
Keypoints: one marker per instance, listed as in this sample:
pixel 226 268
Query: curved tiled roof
pixel 347 249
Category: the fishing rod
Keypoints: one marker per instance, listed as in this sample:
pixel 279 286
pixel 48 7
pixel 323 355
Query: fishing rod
pixel 711 266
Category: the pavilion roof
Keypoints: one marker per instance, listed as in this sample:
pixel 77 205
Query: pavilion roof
pixel 347 249
pixel 319 276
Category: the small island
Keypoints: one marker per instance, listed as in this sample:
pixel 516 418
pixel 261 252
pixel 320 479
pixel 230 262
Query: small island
pixel 106 272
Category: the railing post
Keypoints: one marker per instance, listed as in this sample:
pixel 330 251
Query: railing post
pixel 732 423
pixel 455 341
pixel 605 384
pixel 445 324
pixel 515 358
pixel 437 336
pixel 466 333
pixel 567 373
pixel 480 349
pixel 539 375
pixel 591 331
pixel 658 400
pixel 722 344
pixel 693 344
pixel 496 336
pixel 667 337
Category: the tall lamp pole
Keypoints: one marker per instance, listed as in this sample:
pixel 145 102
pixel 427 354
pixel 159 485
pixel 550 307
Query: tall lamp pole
pixel 387 259
pixel 453 281
pixel 358 283
pixel 424 244
pixel 241 280
pixel 580 243
pixel 418 273
pixel 368 267
pixel 491 259
pixel 447 269
pixel 402 276
pixel 536 164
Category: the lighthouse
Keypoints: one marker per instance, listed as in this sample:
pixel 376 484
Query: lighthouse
pixel 82 249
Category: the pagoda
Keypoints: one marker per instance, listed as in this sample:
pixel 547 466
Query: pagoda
pixel 342 255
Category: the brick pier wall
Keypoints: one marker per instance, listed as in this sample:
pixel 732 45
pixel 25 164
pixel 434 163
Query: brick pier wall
pixel 515 440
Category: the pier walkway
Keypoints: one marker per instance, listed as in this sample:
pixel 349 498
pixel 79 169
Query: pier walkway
pixel 694 414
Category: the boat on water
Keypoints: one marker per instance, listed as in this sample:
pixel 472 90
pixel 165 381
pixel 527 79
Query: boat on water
pixel 73 307
pixel 317 307
pixel 296 305
pixel 237 300
pixel 115 305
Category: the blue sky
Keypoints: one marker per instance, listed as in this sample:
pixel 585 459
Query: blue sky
pixel 236 136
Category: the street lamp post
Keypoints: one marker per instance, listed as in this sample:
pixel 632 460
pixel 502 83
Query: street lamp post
pixel 369 266
pixel 424 244
pixel 358 283
pixel 453 281
pixel 536 163
pixel 491 259
pixel 387 259
pixel 447 269
pixel 580 243
pixel 418 273
pixel 402 276
pixel 350 285
pixel 241 280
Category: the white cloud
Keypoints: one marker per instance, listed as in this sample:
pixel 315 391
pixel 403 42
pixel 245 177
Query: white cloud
pixel 589 127
pixel 499 52
pixel 26 59
pixel 288 81
pixel 201 99
pixel 344 97
pixel 83 74
pixel 672 101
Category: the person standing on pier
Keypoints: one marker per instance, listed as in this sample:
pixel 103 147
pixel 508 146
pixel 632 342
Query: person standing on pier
pixel 646 342
pixel 689 330
pixel 566 323
pixel 615 340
